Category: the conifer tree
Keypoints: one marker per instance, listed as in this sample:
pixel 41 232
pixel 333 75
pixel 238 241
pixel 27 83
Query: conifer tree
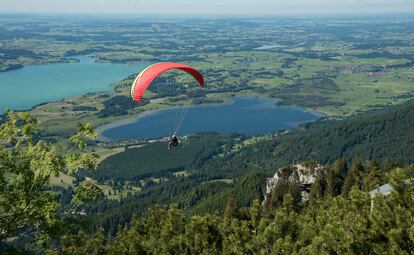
pixel 278 237
pixel 354 176
pixel 203 236
pixel 255 213
pixel 230 212
pixel 127 240
pixel 373 178
pixel 335 177
pixel 393 215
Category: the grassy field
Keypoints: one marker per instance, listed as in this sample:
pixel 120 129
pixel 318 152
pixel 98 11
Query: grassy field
pixel 356 90
pixel 314 64
pixel 227 181
pixel 181 173
pixel 333 66
pixel 66 181
pixel 63 180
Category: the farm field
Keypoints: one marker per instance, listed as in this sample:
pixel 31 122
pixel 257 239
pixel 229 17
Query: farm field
pixel 336 66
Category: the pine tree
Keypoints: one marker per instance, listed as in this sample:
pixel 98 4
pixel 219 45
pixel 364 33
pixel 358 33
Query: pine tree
pixel 393 215
pixel 335 177
pixel 374 176
pixel 354 176
pixel 127 240
pixel 238 239
pixel 203 236
pixel 278 237
pixel 255 213
pixel 81 243
pixel 164 231
pixel 230 212
pixel 95 245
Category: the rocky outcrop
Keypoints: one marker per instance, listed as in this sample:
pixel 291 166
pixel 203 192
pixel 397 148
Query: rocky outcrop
pixel 304 174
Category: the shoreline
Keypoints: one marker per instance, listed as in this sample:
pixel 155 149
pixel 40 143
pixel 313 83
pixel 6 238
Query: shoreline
pixel 62 60
pixel 227 101
pixel 132 119
pixel 71 87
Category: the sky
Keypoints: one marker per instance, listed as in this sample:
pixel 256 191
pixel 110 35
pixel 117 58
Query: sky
pixel 213 7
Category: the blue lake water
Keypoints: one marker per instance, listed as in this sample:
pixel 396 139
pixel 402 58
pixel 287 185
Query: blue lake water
pixel 269 47
pixel 247 115
pixel 31 85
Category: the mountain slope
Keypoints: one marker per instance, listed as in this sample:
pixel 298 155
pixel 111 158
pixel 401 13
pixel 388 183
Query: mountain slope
pixel 386 135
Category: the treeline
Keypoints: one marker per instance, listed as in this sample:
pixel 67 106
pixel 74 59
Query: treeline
pixel 384 135
pixel 15 53
pixel 338 217
pixel 169 87
pixel 166 87
pixel 155 159
pixel 119 105
pixel 193 194
pixel 328 56
pixel 84 108
pixel 310 92
pixel 12 67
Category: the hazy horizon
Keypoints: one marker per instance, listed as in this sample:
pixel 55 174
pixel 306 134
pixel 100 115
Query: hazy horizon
pixel 213 7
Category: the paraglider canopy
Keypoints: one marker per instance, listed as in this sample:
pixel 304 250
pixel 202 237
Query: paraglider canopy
pixel 144 79
pixel 146 76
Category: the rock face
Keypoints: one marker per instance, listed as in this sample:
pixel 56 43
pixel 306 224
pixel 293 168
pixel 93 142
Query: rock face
pixel 304 174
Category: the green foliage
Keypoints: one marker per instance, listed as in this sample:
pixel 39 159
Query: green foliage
pixel 26 165
pixel 85 194
pixel 128 240
pixel 277 235
pixel 203 236
pixel 154 159
pixel 334 225
pixel 76 159
pixel 81 243
pixel 311 92
pixel 196 194
pixel 84 108
pixel 374 176
pixel 393 216
pixel 382 135
pixel 119 105
pixel 250 187
pixel 335 219
pixel 286 186
pixel 354 176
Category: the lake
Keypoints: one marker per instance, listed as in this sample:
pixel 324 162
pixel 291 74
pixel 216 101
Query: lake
pixel 246 115
pixel 269 47
pixel 31 85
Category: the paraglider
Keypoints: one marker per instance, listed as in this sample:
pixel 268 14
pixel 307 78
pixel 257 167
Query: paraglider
pixel 148 75
pixel 173 141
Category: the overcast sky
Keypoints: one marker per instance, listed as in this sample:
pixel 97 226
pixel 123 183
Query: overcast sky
pixel 217 7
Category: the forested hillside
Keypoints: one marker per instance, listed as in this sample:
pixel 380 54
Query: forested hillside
pixel 312 189
pixel 388 136
pixel 154 160
pixel 241 173
pixel 339 217
pixel 218 198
